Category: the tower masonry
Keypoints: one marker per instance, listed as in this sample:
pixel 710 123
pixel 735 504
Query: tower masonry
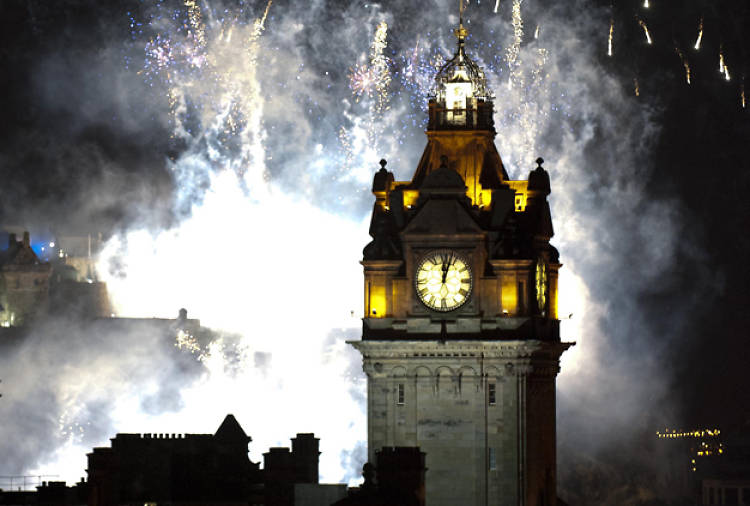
pixel 460 339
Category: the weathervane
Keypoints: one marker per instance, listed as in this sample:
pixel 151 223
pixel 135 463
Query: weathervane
pixel 460 32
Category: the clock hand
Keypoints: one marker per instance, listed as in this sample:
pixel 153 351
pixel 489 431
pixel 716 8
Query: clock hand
pixel 445 271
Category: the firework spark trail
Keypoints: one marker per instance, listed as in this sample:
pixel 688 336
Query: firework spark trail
pixel 685 63
pixel 196 22
pixel 536 32
pixel 700 34
pixel 418 75
pixel 375 77
pixel 645 30
pixel 513 51
pixel 722 64
pixel 210 71
pixel 533 113
pixel 346 147
pixel 262 22
pixel 723 68
pixel 372 81
pixel 418 68
pixel 522 111
pixel 238 113
pixel 380 66
pixel 742 94
pixel 636 87
pixel 497 6
pixel 410 68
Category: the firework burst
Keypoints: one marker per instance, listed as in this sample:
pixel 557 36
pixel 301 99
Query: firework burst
pixel 362 81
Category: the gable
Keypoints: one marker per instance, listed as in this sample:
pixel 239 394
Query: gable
pixel 442 217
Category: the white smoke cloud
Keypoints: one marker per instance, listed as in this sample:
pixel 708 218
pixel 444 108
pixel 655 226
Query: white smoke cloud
pixel 268 250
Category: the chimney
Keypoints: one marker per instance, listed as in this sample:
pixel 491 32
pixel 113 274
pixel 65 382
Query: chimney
pixel 305 451
pixel 11 240
pixel 26 240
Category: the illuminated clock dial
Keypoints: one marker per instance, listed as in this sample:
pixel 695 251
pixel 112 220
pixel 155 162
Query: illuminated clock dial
pixel 443 280
pixel 541 284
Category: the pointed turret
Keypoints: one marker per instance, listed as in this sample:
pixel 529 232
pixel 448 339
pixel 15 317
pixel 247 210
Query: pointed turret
pixel 231 431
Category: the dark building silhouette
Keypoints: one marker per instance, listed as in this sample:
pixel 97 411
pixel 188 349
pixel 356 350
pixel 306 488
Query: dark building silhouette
pixel 194 469
pixel 176 468
pixel 397 479
pixel 49 493
pixel 284 471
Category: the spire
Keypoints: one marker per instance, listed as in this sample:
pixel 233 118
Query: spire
pixel 460 32
pixel 461 68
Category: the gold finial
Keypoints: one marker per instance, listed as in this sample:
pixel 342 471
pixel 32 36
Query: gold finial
pixel 460 32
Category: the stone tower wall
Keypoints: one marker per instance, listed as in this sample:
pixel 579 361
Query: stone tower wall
pixel 477 452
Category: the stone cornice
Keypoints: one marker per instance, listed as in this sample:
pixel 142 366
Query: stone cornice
pixel 394 349
pixel 381 265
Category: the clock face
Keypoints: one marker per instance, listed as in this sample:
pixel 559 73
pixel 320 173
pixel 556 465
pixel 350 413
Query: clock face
pixel 443 280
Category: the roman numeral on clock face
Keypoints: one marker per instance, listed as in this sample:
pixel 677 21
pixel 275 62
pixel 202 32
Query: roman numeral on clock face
pixel 443 280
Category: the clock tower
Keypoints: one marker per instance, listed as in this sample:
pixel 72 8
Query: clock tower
pixel 460 338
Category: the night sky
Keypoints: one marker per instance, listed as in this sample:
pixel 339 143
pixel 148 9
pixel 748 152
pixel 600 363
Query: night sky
pixel 650 192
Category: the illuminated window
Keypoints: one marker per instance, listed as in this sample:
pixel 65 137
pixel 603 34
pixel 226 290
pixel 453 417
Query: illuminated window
pixel 491 394
pixel 400 394
pixel 492 460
